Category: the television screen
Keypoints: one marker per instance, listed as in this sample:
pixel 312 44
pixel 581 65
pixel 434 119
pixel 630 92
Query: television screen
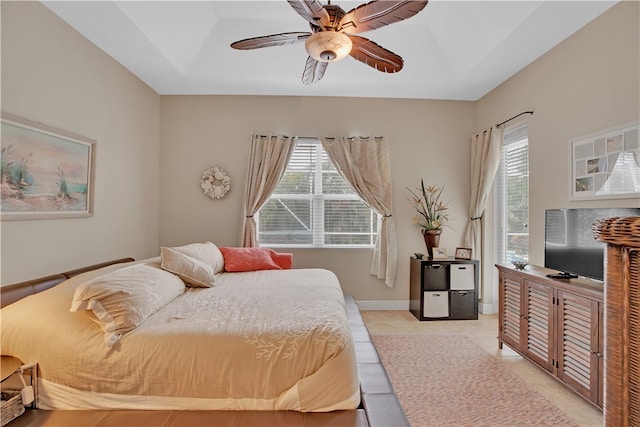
pixel 569 245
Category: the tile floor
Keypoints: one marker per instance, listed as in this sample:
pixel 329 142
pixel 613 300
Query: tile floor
pixel 484 331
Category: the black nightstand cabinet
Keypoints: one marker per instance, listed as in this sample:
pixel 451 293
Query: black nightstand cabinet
pixel 444 289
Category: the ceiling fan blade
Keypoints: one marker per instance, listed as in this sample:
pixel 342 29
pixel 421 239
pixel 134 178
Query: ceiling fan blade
pixel 376 14
pixel 271 40
pixel 311 10
pixel 374 55
pixel 313 71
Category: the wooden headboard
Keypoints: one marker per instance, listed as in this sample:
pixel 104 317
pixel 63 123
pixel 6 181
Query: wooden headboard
pixel 12 293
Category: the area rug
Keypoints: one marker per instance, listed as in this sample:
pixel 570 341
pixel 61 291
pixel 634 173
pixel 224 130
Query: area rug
pixel 448 380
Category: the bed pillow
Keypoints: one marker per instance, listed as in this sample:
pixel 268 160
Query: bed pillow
pixel 123 299
pixel 193 271
pixel 206 252
pixel 284 260
pixel 252 259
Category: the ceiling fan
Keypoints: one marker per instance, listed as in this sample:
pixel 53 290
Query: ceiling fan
pixel 333 34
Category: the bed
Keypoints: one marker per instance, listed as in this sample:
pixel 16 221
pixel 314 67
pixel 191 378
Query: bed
pixel 267 339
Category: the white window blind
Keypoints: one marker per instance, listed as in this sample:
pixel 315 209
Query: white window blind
pixel 512 197
pixel 314 206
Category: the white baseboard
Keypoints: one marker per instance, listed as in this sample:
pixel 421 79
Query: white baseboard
pixel 384 305
pixel 487 308
pixel 403 305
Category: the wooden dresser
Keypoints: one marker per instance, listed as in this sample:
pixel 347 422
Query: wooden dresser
pixel 555 323
pixel 622 312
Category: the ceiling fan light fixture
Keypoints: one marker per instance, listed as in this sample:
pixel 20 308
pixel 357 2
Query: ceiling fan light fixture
pixel 328 46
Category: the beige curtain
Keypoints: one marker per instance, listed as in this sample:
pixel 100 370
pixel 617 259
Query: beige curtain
pixel 268 159
pixel 364 163
pixel 486 150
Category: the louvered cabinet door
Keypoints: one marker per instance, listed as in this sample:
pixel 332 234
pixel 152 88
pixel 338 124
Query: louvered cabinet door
pixel 579 354
pixel 510 311
pixel 539 324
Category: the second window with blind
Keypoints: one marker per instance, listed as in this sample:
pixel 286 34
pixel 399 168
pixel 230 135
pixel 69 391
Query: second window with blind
pixel 512 197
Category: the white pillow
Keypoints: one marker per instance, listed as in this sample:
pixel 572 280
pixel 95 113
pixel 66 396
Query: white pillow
pixel 123 299
pixel 193 271
pixel 206 252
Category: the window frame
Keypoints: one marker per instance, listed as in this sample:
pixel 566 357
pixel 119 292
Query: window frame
pixel 514 137
pixel 317 207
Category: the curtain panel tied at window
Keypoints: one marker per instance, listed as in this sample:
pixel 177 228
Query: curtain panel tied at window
pixel 269 156
pixel 365 165
pixel 486 149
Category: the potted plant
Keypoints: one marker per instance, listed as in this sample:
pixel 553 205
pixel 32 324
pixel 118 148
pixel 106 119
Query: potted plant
pixel 432 213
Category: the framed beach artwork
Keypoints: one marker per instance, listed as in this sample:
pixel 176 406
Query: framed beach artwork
pixel 45 172
pixel 606 165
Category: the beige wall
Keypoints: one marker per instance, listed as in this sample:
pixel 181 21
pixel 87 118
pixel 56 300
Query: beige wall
pixel 52 75
pixel 587 83
pixel 428 139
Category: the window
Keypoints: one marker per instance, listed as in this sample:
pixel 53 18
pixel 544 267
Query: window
pixel 512 197
pixel 313 206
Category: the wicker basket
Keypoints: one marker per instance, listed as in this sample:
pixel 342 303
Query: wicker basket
pixel 12 406
pixel 618 231
pixel 622 320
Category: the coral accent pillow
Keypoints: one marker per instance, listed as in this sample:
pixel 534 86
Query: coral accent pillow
pixel 252 259
pixel 284 260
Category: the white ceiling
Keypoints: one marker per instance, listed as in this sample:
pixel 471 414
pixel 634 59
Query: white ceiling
pixel 457 50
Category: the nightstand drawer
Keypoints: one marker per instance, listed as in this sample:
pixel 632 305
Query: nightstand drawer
pixel 463 277
pixel 464 304
pixel 436 304
pixel 436 277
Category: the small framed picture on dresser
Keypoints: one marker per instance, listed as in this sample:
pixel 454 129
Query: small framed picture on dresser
pixel 439 253
pixel 463 253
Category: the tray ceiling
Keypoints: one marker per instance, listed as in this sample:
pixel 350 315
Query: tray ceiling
pixel 457 50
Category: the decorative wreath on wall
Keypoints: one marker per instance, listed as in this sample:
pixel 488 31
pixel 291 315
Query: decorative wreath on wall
pixel 215 183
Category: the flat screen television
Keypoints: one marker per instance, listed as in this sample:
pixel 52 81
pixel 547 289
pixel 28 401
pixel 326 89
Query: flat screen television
pixel 569 245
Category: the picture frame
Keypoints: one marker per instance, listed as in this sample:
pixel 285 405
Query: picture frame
pixel 463 253
pixel 606 164
pixel 45 172
pixel 439 253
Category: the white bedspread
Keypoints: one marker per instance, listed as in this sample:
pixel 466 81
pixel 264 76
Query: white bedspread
pixel 265 340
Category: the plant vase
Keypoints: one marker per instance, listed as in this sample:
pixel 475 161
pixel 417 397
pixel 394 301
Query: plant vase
pixel 431 240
